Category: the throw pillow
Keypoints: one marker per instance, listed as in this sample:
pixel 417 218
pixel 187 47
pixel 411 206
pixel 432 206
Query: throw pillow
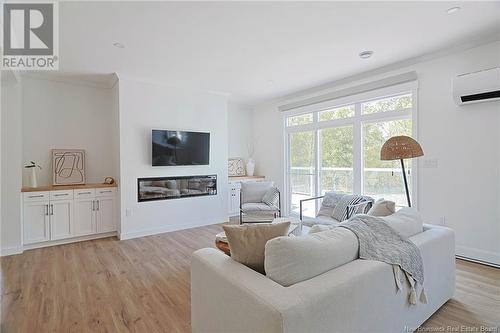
pixel 329 202
pixel 271 198
pixel 406 221
pixel 290 260
pixel 382 207
pixel 340 211
pixel 247 242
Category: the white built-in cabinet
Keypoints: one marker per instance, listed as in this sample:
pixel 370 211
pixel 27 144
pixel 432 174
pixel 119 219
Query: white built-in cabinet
pixel 55 215
pixel 234 192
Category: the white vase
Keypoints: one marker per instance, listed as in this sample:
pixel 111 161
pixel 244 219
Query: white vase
pixel 250 167
pixel 33 180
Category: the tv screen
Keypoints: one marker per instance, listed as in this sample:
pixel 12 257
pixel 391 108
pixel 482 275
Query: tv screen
pixel 180 148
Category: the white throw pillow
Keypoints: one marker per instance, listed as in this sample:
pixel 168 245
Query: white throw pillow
pixel 289 260
pixel 382 207
pixel 406 221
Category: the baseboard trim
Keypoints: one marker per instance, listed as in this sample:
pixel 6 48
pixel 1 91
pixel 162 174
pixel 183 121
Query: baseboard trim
pixel 10 251
pixel 167 228
pixel 480 256
pixel 69 240
pixel 478 261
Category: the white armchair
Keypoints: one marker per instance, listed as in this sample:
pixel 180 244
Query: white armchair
pixel 253 203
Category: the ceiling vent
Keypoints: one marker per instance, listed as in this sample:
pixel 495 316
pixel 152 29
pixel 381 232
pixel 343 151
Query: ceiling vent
pixel 476 87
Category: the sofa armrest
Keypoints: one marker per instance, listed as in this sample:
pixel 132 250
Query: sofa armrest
pixel 227 296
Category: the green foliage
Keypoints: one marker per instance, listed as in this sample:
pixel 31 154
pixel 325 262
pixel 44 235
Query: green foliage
pixel 387 104
pixel 337 113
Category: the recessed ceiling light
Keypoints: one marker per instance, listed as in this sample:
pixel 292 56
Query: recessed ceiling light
pixel 365 54
pixel 119 45
pixel 453 10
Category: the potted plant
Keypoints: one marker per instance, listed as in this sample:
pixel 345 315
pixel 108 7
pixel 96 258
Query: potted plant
pixel 33 166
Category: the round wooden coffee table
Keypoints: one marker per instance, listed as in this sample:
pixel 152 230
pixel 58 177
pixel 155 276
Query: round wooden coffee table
pixel 222 244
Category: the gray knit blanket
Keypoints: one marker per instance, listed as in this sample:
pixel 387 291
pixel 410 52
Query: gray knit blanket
pixel 378 241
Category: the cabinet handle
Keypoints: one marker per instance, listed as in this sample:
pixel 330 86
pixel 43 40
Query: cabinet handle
pixel 51 209
pixel 93 205
pixel 108 191
pixel 60 195
pixel 46 210
pixel 98 206
pixel 84 193
pixel 35 196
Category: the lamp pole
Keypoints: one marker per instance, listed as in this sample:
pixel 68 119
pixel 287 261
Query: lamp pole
pixel 406 182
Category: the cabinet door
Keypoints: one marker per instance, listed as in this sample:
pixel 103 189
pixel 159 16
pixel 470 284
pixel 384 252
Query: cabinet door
pixel 36 222
pixel 61 219
pixel 84 217
pixel 105 215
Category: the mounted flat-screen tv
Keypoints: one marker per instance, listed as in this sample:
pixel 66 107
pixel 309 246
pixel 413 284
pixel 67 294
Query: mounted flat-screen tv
pixel 172 148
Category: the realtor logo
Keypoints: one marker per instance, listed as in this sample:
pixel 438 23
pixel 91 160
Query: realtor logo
pixel 30 40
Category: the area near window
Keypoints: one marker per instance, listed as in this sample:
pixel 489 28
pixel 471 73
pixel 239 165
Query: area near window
pixel 335 146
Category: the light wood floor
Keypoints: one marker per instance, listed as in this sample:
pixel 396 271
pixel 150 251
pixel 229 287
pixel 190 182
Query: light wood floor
pixel 142 285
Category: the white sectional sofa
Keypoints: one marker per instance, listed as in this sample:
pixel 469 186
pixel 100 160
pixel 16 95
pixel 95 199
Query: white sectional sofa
pixel 360 296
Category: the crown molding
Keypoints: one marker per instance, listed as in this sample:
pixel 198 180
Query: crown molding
pixel 72 78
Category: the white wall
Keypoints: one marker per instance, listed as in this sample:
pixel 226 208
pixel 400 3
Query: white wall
pixel 240 130
pixel 11 168
pixel 144 106
pixel 68 115
pixel 465 189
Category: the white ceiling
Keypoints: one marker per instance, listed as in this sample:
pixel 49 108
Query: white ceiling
pixel 258 51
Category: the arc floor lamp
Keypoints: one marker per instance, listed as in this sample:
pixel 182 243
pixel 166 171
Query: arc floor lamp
pixel 400 148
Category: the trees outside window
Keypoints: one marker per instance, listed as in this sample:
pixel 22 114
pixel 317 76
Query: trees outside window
pixel 338 149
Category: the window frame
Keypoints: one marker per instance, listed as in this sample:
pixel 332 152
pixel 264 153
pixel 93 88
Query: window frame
pixel 357 122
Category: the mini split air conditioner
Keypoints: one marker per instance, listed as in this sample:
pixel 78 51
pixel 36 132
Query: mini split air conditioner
pixel 480 86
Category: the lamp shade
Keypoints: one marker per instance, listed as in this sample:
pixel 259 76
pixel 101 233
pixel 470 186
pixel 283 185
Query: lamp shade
pixel 399 148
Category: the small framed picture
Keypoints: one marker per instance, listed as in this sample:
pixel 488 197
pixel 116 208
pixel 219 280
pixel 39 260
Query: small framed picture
pixel 68 166
pixel 236 167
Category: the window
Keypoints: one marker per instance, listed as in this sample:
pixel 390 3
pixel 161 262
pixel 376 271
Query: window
pixel 337 113
pixel 300 120
pixel 383 179
pixel 337 148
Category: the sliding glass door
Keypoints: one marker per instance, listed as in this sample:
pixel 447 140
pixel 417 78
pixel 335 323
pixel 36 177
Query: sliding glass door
pixel 336 159
pixel 302 171
pixel 337 148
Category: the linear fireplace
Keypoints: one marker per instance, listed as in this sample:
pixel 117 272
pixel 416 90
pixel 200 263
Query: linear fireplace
pixel 163 188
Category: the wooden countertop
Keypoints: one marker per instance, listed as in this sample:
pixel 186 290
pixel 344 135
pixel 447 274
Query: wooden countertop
pixel 239 178
pixel 66 187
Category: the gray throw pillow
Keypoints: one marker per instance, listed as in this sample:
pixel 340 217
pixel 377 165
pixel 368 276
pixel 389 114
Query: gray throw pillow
pixel 340 211
pixel 271 198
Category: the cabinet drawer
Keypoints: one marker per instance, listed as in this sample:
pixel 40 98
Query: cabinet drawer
pixel 36 196
pixel 105 192
pixel 84 193
pixel 61 195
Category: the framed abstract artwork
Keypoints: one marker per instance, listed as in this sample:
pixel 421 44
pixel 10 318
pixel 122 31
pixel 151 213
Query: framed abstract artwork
pixel 68 166
pixel 236 167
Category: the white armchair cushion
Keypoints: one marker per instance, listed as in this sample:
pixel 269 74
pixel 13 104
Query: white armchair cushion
pixel 258 206
pixel 254 191
pixel 289 260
